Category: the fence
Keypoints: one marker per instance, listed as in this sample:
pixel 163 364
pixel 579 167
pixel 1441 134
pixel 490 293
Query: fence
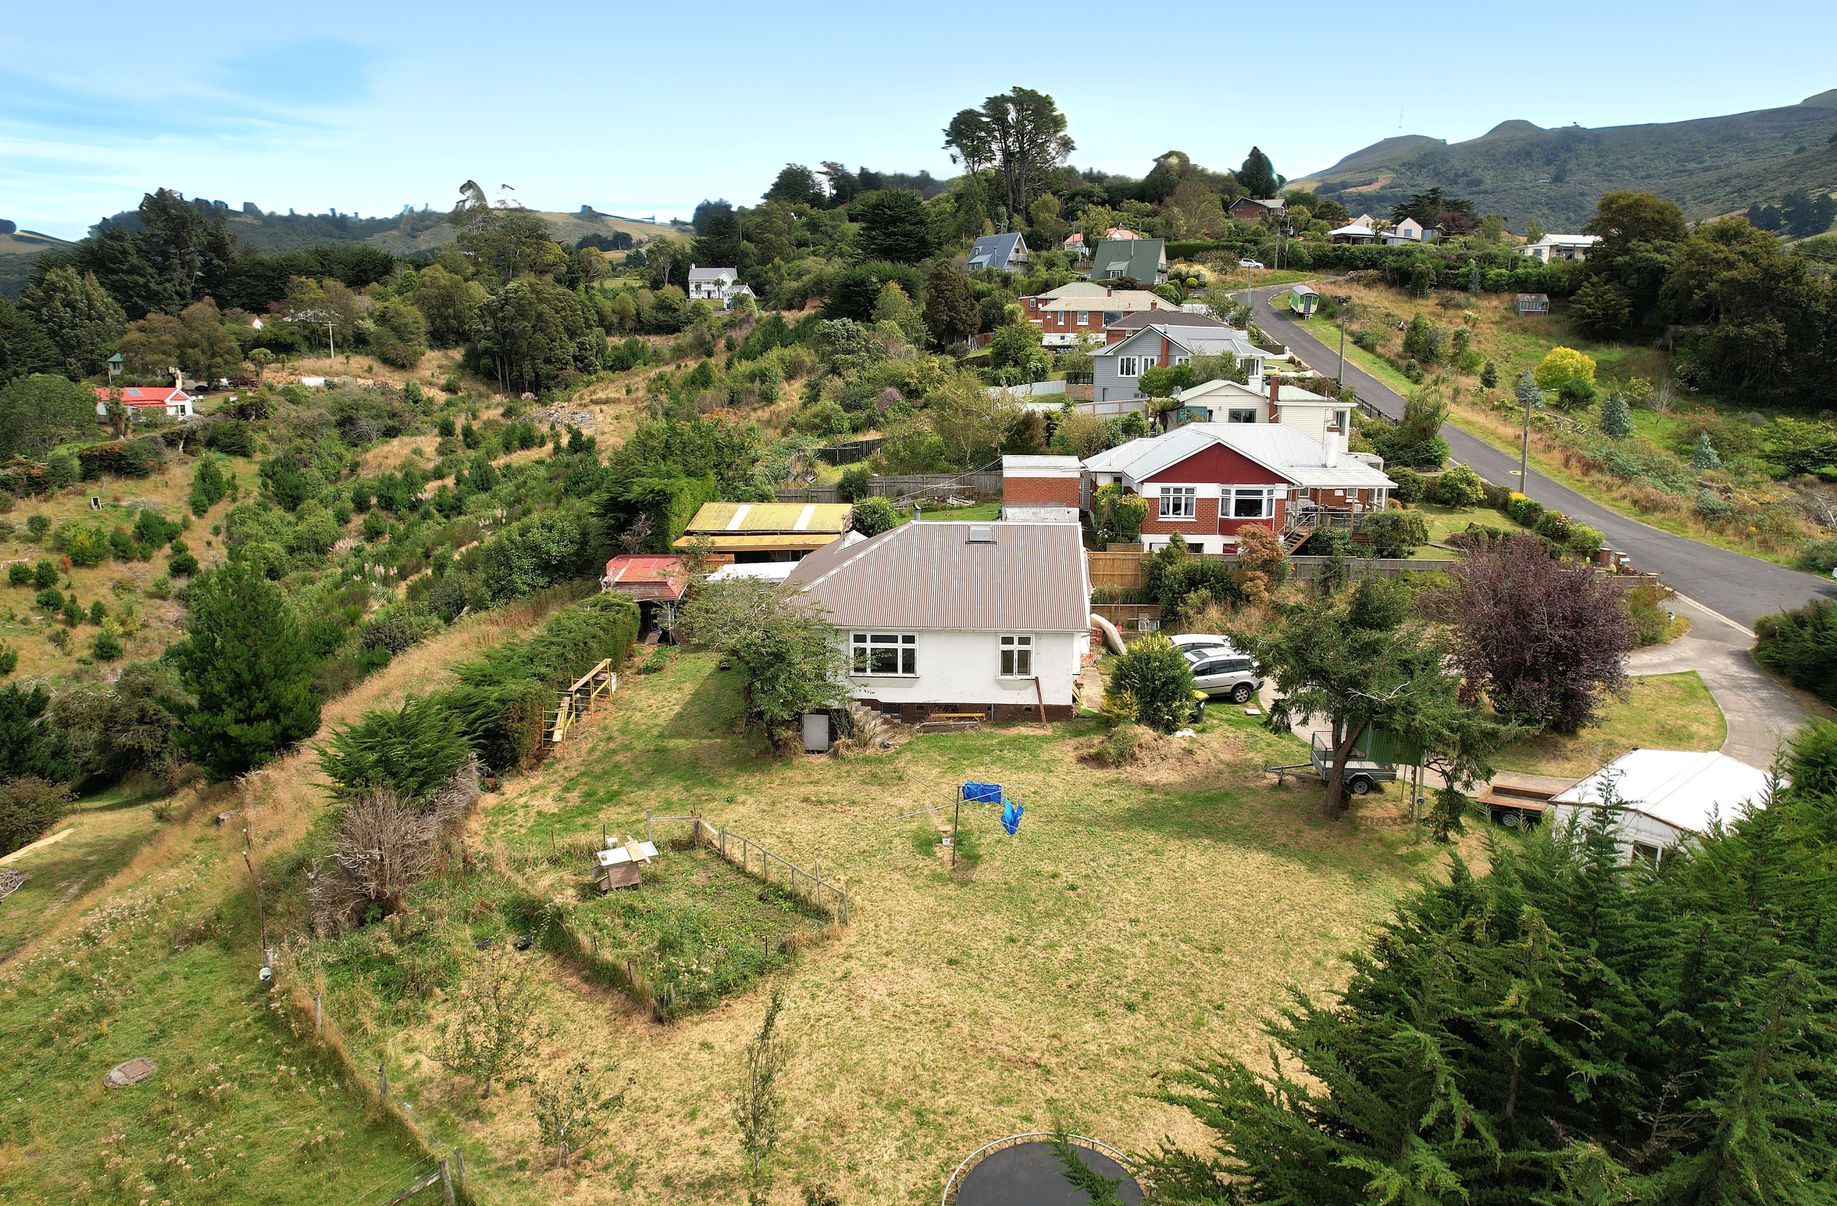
pixel 1117 571
pixel 851 451
pixel 1052 390
pixel 1131 619
pixel 578 699
pixel 1123 572
pixel 808 885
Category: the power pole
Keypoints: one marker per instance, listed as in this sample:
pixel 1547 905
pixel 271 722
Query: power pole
pixel 1524 454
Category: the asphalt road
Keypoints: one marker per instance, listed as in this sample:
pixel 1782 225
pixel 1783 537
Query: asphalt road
pixel 1736 586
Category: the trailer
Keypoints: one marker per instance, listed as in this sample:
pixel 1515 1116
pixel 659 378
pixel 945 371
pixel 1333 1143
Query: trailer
pixel 1363 772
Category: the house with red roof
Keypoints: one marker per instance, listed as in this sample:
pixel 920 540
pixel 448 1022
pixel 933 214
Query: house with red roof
pixel 151 399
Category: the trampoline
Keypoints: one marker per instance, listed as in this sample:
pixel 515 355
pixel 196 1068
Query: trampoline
pixel 1023 1170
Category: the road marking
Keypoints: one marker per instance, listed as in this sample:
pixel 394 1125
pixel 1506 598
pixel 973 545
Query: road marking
pixel 1707 610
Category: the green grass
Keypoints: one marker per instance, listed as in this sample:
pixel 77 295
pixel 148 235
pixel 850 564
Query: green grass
pixel 1661 711
pixel 237 1111
pixel 1150 912
pixel 105 833
pixel 974 513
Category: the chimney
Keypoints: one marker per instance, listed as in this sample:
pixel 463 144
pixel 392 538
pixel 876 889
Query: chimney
pixel 1332 446
pixel 1109 290
pixel 1275 388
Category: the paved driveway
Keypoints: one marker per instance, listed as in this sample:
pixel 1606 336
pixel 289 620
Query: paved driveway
pixel 1739 588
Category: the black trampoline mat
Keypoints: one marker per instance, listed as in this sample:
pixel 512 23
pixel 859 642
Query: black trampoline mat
pixel 1030 1174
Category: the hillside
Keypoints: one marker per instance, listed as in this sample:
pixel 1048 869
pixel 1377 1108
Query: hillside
pixel 17 250
pixel 407 232
pixel 1710 165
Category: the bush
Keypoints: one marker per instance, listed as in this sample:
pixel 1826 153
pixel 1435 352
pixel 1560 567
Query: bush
pixel 1584 542
pixel 1459 486
pixel 413 751
pixel 852 487
pixel 106 646
pixel 1524 511
pixel 1392 533
pixel 872 516
pixel 1645 603
pixel 1157 675
pixel 50 599
pixel 1801 647
pixel 1553 526
pixel 1819 556
pixel 28 807
pixel 37 526
pixel 1410 484
pixel 19 574
pixel 84 541
pixel 1713 507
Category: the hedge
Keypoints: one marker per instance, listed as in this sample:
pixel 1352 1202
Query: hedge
pixel 123 458
pixel 1504 270
pixel 505 698
pixel 1801 646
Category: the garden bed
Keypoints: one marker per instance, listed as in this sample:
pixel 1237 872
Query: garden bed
pixel 695 930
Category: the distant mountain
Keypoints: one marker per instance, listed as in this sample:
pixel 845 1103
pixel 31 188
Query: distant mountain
pixel 1709 166
pixel 18 248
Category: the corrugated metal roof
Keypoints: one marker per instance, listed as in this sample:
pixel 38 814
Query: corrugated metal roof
pixel 770 517
pixel 1278 448
pixel 646 576
pixel 760 542
pixel 1030 578
pixel 1131 300
pixel 1683 788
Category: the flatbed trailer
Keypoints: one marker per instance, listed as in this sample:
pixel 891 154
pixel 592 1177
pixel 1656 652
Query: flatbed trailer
pixel 1362 774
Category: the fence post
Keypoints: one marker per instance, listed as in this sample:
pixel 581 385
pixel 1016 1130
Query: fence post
pixel 446 1183
pixel 382 1080
pixel 318 1013
pixel 459 1168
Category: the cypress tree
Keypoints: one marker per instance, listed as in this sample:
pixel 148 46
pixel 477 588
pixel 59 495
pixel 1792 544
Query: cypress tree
pixel 247 664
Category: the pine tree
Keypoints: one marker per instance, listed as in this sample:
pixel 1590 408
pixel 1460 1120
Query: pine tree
pixel 950 308
pixel 1704 456
pixel 1616 418
pixel 247 665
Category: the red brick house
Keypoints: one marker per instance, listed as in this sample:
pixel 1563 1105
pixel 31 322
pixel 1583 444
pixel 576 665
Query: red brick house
pixel 1209 481
pixel 1041 488
pixel 1064 321
pixel 1253 209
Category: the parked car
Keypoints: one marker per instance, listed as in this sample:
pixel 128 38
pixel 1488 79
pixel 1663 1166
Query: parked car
pixel 1188 641
pixel 1230 676
pixel 1249 264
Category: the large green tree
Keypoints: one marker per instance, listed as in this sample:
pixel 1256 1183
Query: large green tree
pixel 951 313
pixel 1258 176
pixel 894 226
pixel 248 668
pixel 41 411
pixel 1021 133
pixel 1639 232
pixel 83 323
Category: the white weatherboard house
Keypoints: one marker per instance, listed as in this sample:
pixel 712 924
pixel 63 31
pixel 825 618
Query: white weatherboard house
pixel 990 618
pixel 717 285
pixel 1665 797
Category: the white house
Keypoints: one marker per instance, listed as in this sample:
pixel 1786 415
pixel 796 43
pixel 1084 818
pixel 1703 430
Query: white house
pixel 1409 231
pixel 992 618
pixel 1560 247
pixel 1665 797
pixel 1362 229
pixel 168 400
pixel 716 285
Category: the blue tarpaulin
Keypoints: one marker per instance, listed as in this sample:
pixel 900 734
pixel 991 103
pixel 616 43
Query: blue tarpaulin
pixel 1011 817
pixel 982 793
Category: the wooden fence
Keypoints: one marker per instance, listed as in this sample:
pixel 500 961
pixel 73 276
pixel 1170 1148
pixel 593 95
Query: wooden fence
pixel 578 699
pixel 754 859
pixel 1131 619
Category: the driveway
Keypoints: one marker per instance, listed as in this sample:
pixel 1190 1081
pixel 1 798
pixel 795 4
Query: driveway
pixel 1761 712
pixel 1739 588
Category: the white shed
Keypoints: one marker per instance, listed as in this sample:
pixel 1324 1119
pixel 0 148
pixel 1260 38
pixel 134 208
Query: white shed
pixel 1666 797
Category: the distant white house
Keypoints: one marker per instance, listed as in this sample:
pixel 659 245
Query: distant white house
pixel 1560 247
pixel 1362 229
pixel 989 618
pixel 1664 798
pixel 721 285
pixel 1409 231
pixel 168 400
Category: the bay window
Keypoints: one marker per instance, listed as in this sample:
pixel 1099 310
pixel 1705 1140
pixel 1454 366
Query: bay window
pixel 1253 502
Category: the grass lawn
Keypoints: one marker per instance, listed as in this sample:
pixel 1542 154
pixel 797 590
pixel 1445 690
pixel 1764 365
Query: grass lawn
pixel 975 513
pixel 104 834
pixel 1446 521
pixel 1143 915
pixel 1661 711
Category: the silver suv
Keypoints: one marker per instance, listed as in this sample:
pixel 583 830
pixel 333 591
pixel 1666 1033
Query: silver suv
pixel 1225 674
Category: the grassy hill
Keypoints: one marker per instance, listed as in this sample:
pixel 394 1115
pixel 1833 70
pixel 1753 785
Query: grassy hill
pixel 413 230
pixel 17 251
pixel 1710 165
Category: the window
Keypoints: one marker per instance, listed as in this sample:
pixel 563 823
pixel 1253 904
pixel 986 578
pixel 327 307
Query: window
pixel 1241 414
pixel 1084 318
pixel 1179 502
pixel 1253 502
pixel 1341 421
pixel 1181 359
pixel 1128 366
pixel 1017 657
pixel 1646 853
pixel 883 653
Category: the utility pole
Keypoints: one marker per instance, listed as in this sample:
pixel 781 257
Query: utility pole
pixel 1524 453
pixel 1343 303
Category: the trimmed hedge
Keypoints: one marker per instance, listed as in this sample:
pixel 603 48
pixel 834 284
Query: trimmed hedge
pixel 505 698
pixel 1801 647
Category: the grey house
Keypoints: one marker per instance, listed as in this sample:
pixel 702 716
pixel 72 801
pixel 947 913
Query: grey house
pixel 999 253
pixel 1143 260
pixel 1164 341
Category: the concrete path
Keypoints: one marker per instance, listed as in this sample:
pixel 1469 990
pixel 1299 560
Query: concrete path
pixel 1741 588
pixel 1761 713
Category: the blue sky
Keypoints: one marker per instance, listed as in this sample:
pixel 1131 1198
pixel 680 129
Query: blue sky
pixel 642 110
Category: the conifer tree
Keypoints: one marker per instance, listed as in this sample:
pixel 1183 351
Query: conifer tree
pixel 246 663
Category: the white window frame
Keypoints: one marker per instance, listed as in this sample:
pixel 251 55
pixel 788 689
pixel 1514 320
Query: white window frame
pixel 1181 359
pixel 1014 658
pixel 1265 495
pixel 1232 413
pixel 1084 318
pixel 862 646
pixel 1189 495
pixel 1128 366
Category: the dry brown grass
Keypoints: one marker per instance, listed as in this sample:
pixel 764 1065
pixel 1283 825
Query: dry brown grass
pixel 1142 916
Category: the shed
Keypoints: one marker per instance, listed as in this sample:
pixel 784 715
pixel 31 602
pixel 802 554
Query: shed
pixel 771 531
pixel 1666 797
pixel 1532 303
pixel 1303 299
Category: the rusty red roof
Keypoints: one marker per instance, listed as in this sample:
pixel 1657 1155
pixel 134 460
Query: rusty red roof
pixel 646 576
